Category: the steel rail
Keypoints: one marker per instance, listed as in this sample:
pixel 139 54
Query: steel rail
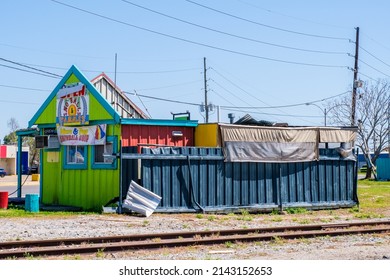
pixel 152 241
pixel 184 234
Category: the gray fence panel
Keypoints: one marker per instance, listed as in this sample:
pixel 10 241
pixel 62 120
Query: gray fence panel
pixel 218 186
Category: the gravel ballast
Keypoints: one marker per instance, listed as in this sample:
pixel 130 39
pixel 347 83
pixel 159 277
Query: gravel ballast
pixel 356 247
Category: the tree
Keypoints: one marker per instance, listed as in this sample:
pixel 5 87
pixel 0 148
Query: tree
pixel 11 138
pixel 372 113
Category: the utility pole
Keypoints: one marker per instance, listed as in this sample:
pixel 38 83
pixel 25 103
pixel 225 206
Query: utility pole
pixel 206 106
pixel 355 81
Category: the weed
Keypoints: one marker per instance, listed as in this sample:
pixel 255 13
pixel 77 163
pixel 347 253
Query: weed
pixel 304 222
pixel 100 253
pixel 245 216
pixel 277 219
pixel 297 210
pixel 354 209
pixel 368 215
pixel 229 244
pixel 197 237
pixel 72 257
pixel 28 256
pixel 157 239
pixel 277 240
pixel 211 218
pixel 145 223
pixel 199 216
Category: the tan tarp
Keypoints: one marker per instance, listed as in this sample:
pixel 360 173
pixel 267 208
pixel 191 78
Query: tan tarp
pixel 266 134
pixel 279 144
pixel 337 135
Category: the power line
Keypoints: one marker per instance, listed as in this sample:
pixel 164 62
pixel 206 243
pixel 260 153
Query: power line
pixel 218 84
pixel 238 107
pixel 24 88
pixel 221 96
pixel 233 35
pixel 163 99
pixel 368 65
pixel 253 96
pixel 238 86
pixel 19 102
pixel 286 106
pixel 266 25
pixel 293 17
pixel 198 43
pixel 374 56
pixel 272 114
pixel 169 86
pixel 362 74
pixel 29 67
pixel 136 94
pixel 28 71
pixel 375 41
pixel 120 72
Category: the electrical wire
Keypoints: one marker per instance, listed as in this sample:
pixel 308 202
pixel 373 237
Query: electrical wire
pixel 198 43
pixel 24 88
pixel 170 86
pixel 272 114
pixel 375 41
pixel 28 71
pixel 255 97
pixel 246 92
pixel 19 102
pixel 290 105
pixel 233 35
pixel 265 25
pixel 29 67
pixel 240 109
pixel 136 94
pixel 221 86
pixel 379 71
pixel 163 99
pixel 293 17
pixel 362 74
pixel 363 49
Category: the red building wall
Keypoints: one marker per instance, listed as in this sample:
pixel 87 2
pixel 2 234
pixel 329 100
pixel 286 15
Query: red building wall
pixel 132 135
pixel 3 151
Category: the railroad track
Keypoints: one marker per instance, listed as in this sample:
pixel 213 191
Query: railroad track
pixel 20 249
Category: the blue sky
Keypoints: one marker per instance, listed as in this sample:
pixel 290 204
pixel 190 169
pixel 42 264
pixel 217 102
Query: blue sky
pixel 258 53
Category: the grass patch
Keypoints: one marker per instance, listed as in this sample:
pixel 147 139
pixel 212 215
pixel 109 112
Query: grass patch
pixel 277 219
pixel 373 195
pixel 298 210
pixel 15 211
pixel 245 216
pixel 199 216
pixel 211 218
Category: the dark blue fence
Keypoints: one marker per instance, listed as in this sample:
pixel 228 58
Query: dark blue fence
pixel 197 179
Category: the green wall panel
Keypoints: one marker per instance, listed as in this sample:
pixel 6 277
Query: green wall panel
pixel 88 189
pixel 97 112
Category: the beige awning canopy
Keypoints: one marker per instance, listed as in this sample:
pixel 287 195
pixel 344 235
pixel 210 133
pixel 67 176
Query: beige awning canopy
pixel 279 144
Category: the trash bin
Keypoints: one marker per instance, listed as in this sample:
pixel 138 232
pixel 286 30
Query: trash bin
pixel 31 203
pixel 3 200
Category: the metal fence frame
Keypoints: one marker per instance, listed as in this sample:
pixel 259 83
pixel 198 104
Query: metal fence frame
pixel 191 179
